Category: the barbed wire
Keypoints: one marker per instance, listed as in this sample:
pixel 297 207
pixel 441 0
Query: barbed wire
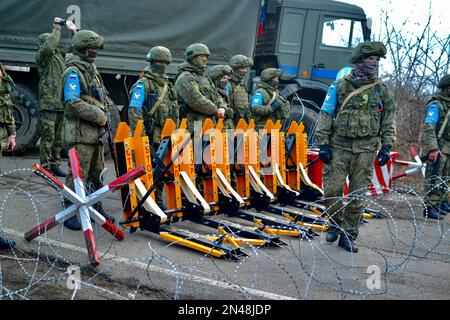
pixel 143 266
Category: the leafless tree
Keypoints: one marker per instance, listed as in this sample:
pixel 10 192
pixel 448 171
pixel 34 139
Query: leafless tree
pixel 419 61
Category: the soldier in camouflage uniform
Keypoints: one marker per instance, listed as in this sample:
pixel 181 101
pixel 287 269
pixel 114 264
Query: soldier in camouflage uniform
pixel 219 75
pixel 267 102
pixel 154 86
pixel 436 137
pixel 358 113
pixel 85 112
pixel 239 95
pixel 50 65
pixel 197 92
pixel 7 129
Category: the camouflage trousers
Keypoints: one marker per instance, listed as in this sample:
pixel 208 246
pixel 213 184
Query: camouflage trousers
pixel 359 169
pixel 437 178
pixel 51 131
pixel 3 135
pixel 160 187
pixel 92 163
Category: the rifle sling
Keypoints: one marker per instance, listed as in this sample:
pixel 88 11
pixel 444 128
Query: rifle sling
pixel 441 131
pixel 273 99
pixel 160 99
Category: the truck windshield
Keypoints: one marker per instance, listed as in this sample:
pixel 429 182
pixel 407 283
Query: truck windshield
pixel 339 32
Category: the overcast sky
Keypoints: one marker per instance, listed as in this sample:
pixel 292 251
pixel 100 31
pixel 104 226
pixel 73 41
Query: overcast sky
pixel 415 11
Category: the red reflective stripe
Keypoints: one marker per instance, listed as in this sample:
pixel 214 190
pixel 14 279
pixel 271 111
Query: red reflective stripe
pixel 413 152
pixel 50 176
pixel 40 229
pixel 128 177
pixel 399 175
pixel 75 164
pixel 91 245
pixel 403 163
pixel 112 229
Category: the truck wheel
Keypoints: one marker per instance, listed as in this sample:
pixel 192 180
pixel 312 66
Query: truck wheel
pixel 25 110
pixel 304 110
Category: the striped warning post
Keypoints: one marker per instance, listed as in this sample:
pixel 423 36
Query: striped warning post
pixel 82 204
pixel 381 179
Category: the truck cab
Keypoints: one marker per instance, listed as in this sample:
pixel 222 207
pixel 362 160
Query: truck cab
pixel 310 41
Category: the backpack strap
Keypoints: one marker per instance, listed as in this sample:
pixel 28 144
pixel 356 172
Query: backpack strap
pixel 274 96
pixel 358 91
pixel 160 99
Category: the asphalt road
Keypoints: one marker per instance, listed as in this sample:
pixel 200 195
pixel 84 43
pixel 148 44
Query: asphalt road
pixel 400 257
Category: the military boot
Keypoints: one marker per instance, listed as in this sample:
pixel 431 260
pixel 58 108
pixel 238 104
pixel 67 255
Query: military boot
pixel 72 224
pixel 432 213
pixel 57 171
pixel 7 244
pixel 333 233
pixel 346 242
pixel 106 216
pixel 444 208
pixel 159 198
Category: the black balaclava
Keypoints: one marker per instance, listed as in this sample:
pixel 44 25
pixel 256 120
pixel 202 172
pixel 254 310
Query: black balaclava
pixel 158 68
pixel 366 70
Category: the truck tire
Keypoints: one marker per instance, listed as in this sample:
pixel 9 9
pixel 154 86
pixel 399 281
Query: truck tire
pixel 26 113
pixel 306 111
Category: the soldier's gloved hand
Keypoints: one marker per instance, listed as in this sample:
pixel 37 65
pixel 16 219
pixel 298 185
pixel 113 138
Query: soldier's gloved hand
pixel 434 155
pixel 383 154
pixel 325 153
pixel 277 104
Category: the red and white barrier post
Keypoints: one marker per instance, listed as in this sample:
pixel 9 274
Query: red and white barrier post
pixel 82 204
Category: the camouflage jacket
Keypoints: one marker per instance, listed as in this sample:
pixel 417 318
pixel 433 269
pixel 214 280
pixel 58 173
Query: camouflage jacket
pixel 262 111
pixel 367 119
pixel 198 93
pixel 50 66
pixel 239 100
pixel 6 115
pixel 84 118
pixel 437 109
pixel 150 86
pixel 228 121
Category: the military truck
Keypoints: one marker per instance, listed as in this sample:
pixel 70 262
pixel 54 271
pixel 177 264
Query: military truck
pixel 310 40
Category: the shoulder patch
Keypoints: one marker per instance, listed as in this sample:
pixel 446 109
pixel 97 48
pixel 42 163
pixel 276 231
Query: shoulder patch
pixel 330 102
pixel 432 115
pixel 72 86
pixel 138 96
pixel 257 99
pixel 228 88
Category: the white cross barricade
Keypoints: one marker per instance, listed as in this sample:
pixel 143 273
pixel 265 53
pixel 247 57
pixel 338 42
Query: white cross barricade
pixel 82 204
